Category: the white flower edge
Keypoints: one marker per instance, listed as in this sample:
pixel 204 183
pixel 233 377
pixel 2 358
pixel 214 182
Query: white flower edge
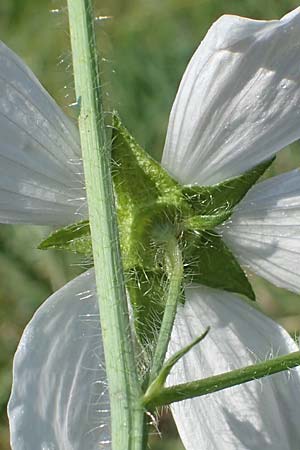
pixel 238 102
pixel 40 168
pixel 59 397
pixel 263 231
pixel 259 414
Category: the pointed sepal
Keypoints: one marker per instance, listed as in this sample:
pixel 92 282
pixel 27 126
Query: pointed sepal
pixel 223 197
pixel 209 261
pixel 75 238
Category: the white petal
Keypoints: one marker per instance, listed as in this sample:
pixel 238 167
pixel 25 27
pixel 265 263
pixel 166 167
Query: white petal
pixel 238 102
pixel 59 398
pixel 40 167
pixel 263 232
pixel 262 414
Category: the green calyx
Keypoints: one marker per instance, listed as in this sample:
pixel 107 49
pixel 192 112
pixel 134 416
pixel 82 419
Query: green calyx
pixel 152 208
pixel 149 202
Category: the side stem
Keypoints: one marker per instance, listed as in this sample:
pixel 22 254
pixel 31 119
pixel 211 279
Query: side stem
pixel 175 272
pixel 127 414
pixel 184 391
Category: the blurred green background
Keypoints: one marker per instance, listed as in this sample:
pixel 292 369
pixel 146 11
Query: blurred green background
pixel 145 46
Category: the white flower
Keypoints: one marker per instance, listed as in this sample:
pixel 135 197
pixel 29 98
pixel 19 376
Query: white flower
pixel 237 105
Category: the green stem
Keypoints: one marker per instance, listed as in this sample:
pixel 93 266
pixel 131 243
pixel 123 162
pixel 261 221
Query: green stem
pixel 175 271
pixel 225 380
pixel 154 389
pixel 127 414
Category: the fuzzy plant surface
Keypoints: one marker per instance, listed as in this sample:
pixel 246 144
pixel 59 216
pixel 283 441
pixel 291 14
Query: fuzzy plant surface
pixel 237 106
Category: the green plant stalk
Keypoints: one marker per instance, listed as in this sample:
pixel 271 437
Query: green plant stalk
pixel 127 413
pixel 225 380
pixel 175 272
pixel 157 384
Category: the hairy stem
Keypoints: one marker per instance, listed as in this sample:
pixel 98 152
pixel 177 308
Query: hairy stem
pixel 127 414
pixel 175 271
pixel 225 380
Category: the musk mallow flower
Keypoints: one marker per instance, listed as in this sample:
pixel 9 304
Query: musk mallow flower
pixel 238 104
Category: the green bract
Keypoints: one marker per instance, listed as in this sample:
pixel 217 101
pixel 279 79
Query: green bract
pixel 209 261
pixel 222 197
pixel 75 237
pixel 152 207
